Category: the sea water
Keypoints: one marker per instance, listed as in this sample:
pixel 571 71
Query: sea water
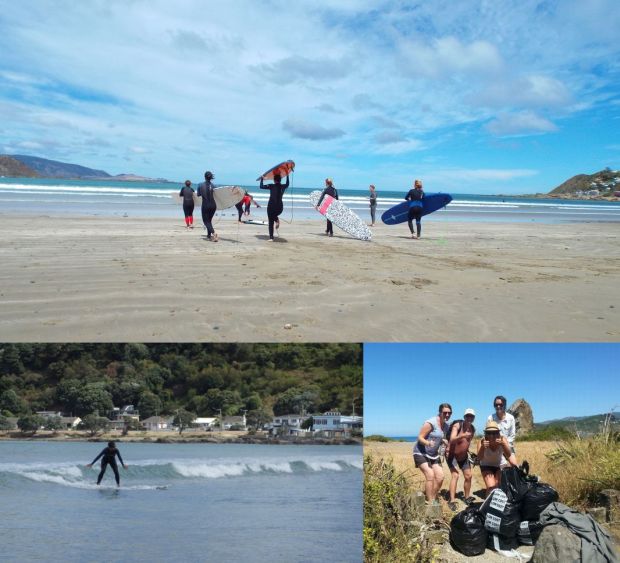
pixel 181 502
pixel 152 199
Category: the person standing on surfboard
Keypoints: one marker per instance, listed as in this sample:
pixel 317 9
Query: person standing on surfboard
pixel 275 205
pixel 329 190
pixel 373 204
pixel 415 197
pixel 205 191
pixel 109 458
pixel 187 193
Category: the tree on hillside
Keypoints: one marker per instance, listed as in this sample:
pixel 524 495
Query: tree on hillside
pixel 30 423
pixel 94 424
pixel 183 419
pixel 296 401
pixel 53 423
pixel 10 360
pixel 93 397
pixel 149 404
pixel 10 401
pixel 5 424
pixel 257 418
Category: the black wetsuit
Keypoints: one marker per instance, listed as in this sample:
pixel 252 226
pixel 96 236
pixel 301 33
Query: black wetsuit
pixel 330 190
pixel 205 191
pixel 239 207
pixel 415 210
pixel 275 205
pixel 187 194
pixel 109 454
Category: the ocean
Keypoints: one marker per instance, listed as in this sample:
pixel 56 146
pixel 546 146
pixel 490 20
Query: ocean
pixel 181 502
pixel 150 199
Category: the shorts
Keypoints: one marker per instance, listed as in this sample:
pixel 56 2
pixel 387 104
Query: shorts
pixel 419 459
pixel 463 464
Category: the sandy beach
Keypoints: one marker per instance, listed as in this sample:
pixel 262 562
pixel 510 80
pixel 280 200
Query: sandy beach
pixel 149 279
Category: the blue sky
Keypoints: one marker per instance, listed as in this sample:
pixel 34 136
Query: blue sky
pixel 472 97
pixel 405 383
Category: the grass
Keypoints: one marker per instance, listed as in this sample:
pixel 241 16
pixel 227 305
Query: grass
pixel 393 528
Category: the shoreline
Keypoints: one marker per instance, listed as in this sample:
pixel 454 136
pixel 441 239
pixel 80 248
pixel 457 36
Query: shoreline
pixel 162 437
pixel 115 279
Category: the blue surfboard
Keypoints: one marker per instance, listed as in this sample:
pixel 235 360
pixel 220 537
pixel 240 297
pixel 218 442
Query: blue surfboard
pixel 431 202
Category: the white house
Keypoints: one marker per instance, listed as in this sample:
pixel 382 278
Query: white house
pixel 205 423
pixel 156 423
pixel 333 424
pixel 70 422
pixel 288 424
pixel 239 421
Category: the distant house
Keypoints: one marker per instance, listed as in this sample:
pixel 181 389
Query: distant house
pixel 70 422
pixel 288 424
pixel 157 423
pixel 333 424
pixel 593 193
pixel 205 423
pixel 239 422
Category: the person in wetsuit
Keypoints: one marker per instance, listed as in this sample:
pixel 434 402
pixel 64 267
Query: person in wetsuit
pixel 275 205
pixel 415 197
pixel 329 190
pixel 108 455
pixel 373 204
pixel 243 207
pixel 205 191
pixel 187 193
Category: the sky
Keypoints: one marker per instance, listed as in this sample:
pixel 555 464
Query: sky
pixel 405 383
pixel 473 97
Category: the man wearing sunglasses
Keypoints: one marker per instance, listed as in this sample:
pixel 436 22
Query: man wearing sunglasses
pixel 506 423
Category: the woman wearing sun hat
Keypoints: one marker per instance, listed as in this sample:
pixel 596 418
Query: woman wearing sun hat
pixel 490 451
pixel 426 451
pixel 461 435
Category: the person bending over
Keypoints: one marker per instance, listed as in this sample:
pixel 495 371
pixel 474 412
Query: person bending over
pixel 108 455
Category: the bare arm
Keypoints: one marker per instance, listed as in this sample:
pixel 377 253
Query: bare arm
pixel 426 428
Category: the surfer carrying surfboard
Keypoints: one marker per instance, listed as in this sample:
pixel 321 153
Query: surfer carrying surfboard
pixel 205 190
pixel 415 197
pixel 109 454
pixel 275 205
pixel 187 193
pixel 329 190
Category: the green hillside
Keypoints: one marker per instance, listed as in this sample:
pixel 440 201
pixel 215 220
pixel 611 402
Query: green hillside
pixel 264 379
pixel 606 182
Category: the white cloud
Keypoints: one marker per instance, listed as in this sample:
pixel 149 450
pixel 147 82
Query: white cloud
pixel 525 122
pixel 311 131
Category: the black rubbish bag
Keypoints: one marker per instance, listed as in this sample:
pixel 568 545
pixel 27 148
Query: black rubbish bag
pixel 539 497
pixel 500 515
pixel 515 483
pixel 529 532
pixel 497 542
pixel 467 533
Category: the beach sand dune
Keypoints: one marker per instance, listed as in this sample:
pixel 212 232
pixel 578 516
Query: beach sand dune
pixel 138 279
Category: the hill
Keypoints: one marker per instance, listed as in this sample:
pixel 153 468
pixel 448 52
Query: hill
pixel 55 169
pixel 14 168
pixel 582 424
pixel 25 166
pixel 605 182
pixel 263 379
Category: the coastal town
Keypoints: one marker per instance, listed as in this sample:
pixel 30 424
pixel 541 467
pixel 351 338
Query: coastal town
pixel 126 422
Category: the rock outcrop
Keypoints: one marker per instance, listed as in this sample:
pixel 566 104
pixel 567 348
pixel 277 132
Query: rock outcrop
pixel 524 418
pixel 13 168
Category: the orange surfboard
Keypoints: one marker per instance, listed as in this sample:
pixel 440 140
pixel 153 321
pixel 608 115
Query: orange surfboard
pixel 284 169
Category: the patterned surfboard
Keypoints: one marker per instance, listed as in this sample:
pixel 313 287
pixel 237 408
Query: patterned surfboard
pixel 341 216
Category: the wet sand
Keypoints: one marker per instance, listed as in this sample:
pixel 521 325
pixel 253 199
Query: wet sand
pixel 150 280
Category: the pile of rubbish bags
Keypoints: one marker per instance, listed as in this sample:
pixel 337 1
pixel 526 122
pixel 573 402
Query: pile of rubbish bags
pixel 509 516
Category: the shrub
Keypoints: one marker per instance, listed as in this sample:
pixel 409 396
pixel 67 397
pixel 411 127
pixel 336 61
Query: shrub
pixel 582 468
pixel 393 531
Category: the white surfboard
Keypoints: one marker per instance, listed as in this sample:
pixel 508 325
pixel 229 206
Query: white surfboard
pixel 225 196
pixel 341 216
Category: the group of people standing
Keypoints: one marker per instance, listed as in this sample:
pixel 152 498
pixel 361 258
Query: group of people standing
pixel 275 205
pixel 437 438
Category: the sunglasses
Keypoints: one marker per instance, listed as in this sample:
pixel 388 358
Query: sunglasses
pixel 491 434
pixel 499 406
pixel 446 412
